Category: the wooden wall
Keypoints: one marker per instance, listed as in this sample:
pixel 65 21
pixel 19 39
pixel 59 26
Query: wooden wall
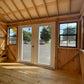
pixel 82 40
pixel 3 40
pixel 12 53
pixel 82 61
pixel 13 50
pixel 67 59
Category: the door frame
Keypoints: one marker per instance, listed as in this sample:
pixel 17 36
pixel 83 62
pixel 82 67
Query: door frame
pixel 53 38
pixel 53 45
pixel 20 50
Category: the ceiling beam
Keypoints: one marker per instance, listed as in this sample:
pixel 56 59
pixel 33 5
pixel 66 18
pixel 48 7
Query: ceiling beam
pixel 17 9
pixel 45 7
pixel 10 9
pixel 57 9
pixel 6 14
pixel 26 9
pixel 3 23
pixel 35 8
pixel 47 19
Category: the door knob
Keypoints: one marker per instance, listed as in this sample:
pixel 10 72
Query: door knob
pixel 32 45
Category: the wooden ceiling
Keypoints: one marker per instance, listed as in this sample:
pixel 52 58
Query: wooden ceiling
pixel 20 10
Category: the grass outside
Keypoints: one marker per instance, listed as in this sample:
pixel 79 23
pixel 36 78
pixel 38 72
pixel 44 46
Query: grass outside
pixel 47 43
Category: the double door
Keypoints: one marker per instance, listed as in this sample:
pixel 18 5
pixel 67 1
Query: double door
pixel 37 44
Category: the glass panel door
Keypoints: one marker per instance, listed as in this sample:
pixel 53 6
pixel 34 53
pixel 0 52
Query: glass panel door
pixel 37 44
pixel 26 44
pixel 44 51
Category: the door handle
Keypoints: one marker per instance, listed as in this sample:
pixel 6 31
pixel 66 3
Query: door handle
pixel 33 46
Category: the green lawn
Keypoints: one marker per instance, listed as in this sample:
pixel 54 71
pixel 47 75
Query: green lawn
pixel 47 43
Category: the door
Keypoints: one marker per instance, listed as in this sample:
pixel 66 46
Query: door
pixel 46 45
pixel 44 50
pixel 37 44
pixel 26 44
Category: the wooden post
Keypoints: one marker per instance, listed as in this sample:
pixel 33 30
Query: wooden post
pixel 57 40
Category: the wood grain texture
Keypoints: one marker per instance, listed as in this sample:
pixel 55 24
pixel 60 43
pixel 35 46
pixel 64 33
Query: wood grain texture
pixel 17 73
pixel 72 17
pixel 82 61
pixel 67 55
pixel 45 7
pixel 67 59
pixel 17 9
pixel 26 9
pixel 35 8
pixel 6 14
pixel 12 53
pixel 10 10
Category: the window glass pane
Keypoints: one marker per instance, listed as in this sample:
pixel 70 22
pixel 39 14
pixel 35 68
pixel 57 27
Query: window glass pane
pixel 63 38
pixel 12 36
pixel 12 40
pixel 71 38
pixel 11 33
pixel 63 43
pixel 11 30
pixel 68 34
pixel 63 26
pixel 72 25
pixel 63 31
pixel 72 31
pixel 72 28
pixel 72 41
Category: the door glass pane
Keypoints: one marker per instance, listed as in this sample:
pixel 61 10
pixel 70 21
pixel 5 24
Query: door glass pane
pixel 26 44
pixel 44 52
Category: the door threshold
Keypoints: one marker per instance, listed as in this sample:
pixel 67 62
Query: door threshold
pixel 42 66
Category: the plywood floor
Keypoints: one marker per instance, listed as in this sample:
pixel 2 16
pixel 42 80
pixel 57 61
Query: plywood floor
pixel 17 73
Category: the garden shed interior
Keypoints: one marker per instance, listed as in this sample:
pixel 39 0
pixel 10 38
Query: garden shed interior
pixel 42 41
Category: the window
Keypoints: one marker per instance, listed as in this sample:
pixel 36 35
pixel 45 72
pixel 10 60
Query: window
pixel 12 36
pixel 68 34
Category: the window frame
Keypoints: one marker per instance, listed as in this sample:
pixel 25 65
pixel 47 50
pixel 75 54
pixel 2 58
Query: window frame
pixel 11 36
pixel 69 35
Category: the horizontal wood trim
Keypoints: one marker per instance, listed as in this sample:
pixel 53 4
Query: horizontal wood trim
pixel 3 23
pixel 46 20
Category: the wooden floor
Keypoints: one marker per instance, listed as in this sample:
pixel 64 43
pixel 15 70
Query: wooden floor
pixel 17 73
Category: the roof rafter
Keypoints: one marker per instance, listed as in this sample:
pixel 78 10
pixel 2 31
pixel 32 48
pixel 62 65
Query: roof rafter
pixel 35 7
pixel 26 9
pixel 17 9
pixel 45 7
pixel 31 8
pixel 10 10
pixel 57 7
pixel 5 13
